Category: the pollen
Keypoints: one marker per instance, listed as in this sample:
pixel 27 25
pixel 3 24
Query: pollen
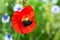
pixel 24 19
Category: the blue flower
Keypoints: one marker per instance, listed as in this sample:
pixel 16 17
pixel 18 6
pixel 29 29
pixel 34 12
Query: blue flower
pixel 18 7
pixel 55 9
pixel 8 37
pixel 5 18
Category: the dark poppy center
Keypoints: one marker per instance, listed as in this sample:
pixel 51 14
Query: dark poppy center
pixel 27 23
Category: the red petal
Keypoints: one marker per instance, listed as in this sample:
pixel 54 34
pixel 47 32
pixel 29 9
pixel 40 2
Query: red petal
pixel 28 10
pixel 18 16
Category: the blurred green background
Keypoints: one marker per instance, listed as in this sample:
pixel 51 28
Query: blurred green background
pixel 48 23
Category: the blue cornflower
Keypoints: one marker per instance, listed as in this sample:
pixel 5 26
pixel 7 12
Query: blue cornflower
pixel 18 7
pixel 55 9
pixel 8 37
pixel 5 18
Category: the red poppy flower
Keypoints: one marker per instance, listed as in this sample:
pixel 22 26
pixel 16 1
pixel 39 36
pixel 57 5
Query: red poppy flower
pixel 23 22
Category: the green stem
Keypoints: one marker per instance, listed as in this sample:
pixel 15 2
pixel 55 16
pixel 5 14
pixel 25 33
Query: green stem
pixel 19 36
pixel 4 28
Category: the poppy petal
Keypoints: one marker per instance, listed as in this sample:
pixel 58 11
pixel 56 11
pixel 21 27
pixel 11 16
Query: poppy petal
pixel 17 22
pixel 28 10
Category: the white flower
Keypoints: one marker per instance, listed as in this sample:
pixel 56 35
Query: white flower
pixel 8 37
pixel 46 1
pixel 54 1
pixel 55 9
pixel 18 7
pixel 5 18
